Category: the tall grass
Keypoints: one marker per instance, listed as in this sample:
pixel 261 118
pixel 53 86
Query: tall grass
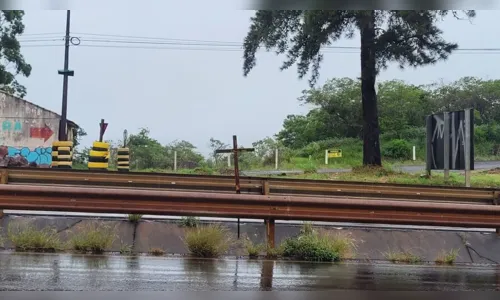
pixel 447 257
pixel 312 245
pixel 94 238
pixel 208 241
pixel 26 237
pixel 403 257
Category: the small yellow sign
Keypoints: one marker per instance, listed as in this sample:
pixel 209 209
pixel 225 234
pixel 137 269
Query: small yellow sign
pixel 335 153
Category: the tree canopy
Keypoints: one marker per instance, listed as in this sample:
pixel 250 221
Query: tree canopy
pixel 402 108
pixel 12 62
pixel 409 38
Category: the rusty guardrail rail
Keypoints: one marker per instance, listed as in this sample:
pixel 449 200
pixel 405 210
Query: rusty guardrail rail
pixel 333 209
pixel 250 185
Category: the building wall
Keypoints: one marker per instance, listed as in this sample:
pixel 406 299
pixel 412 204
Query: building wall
pixel 27 129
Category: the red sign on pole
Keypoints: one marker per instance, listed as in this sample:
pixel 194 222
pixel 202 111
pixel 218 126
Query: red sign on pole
pixel 104 126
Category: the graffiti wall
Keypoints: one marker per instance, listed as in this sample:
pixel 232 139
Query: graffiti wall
pixel 27 131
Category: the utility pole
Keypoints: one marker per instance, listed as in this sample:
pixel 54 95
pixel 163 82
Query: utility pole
pixel 66 73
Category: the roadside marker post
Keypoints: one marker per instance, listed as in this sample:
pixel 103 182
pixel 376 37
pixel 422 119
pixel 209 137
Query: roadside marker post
pixel 235 150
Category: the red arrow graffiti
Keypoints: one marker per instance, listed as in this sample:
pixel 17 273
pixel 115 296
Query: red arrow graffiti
pixel 41 133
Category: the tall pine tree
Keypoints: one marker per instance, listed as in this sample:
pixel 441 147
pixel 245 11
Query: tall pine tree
pixel 409 38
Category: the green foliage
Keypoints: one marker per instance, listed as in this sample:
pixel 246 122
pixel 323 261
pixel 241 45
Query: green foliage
pixel 397 149
pixel 93 237
pixel 26 237
pixel 134 218
pixel 13 63
pixel 447 257
pixel 148 153
pixel 208 241
pixel 403 257
pixel 409 38
pixel 190 222
pixel 312 245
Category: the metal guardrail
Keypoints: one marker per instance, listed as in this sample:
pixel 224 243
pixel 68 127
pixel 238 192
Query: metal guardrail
pixel 336 209
pixel 249 185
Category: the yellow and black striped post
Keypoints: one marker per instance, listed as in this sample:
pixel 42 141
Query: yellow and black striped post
pixel 99 156
pixel 62 154
pixel 123 160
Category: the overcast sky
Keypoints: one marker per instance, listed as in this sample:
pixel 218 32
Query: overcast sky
pixel 197 92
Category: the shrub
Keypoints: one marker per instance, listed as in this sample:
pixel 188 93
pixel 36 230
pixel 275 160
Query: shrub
pixel 252 249
pixel 317 246
pixel 26 237
pixel 190 222
pixel 94 238
pixel 208 241
pixel 397 149
pixel 134 218
pixel 447 257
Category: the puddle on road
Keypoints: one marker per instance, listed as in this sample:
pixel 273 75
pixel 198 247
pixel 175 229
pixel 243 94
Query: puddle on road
pixel 114 273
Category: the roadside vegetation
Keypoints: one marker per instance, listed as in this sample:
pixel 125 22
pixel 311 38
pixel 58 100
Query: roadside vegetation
pixel 155 251
pixel 25 236
pixel 134 218
pixel 447 257
pixel 402 257
pixel 211 240
pixel 318 245
pixel 93 238
pixel 335 122
pixel 190 222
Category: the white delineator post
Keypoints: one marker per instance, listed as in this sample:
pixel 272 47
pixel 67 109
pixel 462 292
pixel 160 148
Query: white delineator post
pixel 175 160
pixel 229 160
pixel 414 153
pixel 276 159
pixel 326 157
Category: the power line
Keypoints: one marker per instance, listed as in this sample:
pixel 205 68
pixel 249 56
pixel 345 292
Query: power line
pixel 127 39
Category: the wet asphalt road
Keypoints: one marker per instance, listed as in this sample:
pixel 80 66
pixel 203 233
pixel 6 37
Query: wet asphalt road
pixel 478 165
pixel 66 272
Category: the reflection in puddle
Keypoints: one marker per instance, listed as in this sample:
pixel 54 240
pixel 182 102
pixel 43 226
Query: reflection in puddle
pixel 115 273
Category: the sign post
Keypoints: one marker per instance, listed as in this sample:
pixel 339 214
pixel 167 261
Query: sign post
pixel 332 153
pixel 450 142
pixel 103 126
pixel 235 150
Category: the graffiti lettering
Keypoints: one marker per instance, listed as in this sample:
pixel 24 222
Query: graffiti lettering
pixel 40 155
pixel 7 126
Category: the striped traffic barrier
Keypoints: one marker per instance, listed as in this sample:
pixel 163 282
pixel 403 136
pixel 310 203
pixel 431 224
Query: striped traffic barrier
pixel 99 156
pixel 62 154
pixel 123 159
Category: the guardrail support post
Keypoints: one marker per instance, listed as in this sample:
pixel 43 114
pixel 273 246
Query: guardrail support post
pixel 4 179
pixel 270 223
pixel 496 201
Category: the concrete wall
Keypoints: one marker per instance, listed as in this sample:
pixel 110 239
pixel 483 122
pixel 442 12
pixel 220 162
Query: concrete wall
pixel 27 129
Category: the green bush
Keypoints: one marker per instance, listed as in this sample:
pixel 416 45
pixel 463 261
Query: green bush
pixel 397 149
pixel 208 241
pixel 311 245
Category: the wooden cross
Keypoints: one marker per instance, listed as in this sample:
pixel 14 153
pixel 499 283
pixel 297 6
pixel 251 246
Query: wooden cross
pixel 235 150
